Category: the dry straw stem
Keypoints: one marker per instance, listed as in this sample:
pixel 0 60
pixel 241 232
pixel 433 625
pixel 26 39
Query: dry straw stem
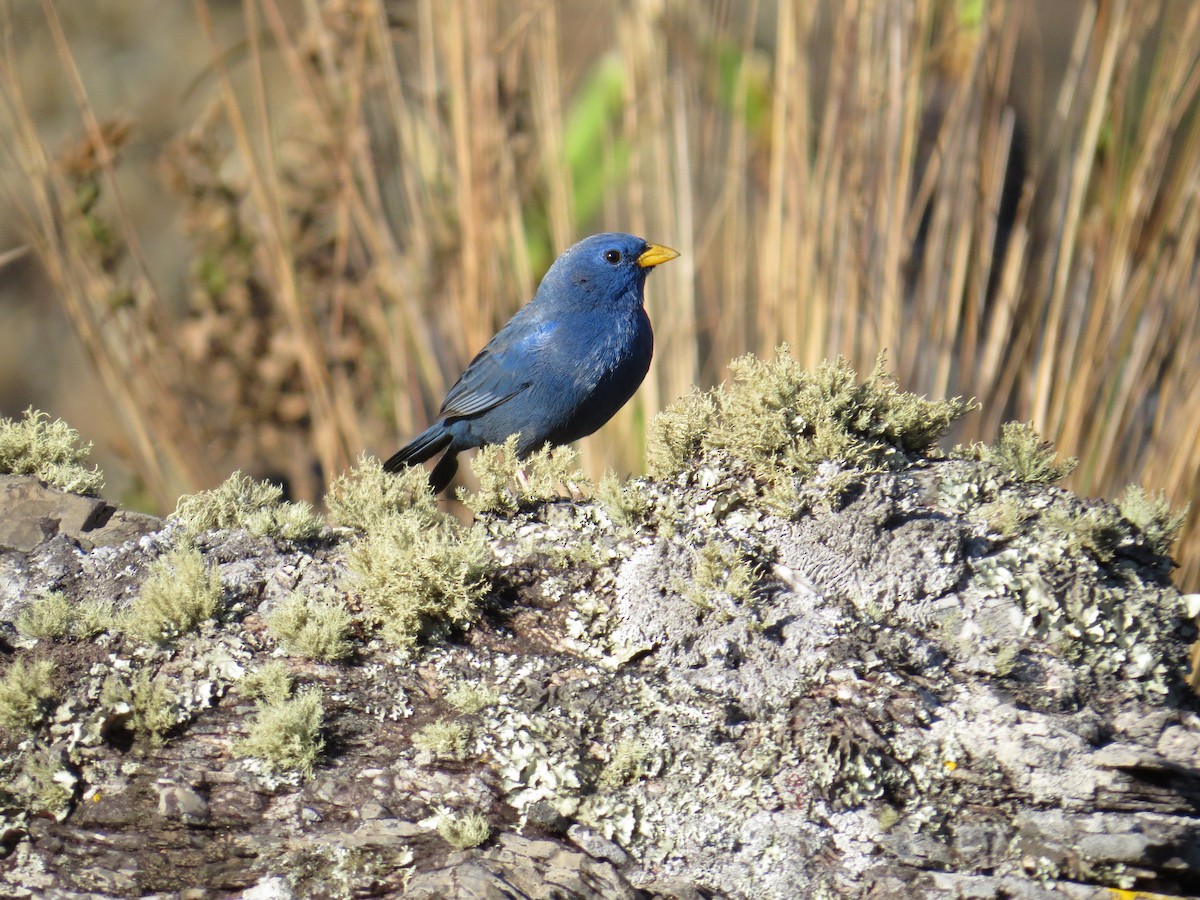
pixel 847 178
pixel 102 281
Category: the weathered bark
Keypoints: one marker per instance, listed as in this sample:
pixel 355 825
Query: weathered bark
pixel 900 703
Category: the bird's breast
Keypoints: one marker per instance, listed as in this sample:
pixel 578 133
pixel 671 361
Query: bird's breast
pixel 611 345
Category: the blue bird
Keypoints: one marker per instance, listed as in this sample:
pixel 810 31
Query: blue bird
pixel 561 367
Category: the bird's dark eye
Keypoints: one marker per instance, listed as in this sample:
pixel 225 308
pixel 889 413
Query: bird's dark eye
pixel 612 256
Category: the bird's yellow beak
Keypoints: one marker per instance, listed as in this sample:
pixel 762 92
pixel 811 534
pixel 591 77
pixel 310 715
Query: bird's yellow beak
pixel 655 255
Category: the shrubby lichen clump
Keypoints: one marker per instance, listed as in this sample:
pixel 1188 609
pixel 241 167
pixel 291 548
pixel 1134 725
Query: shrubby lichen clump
pixel 49 449
pixel 256 506
pixel 48 617
pixel 315 627
pixel 51 616
pixel 507 484
pixel 415 567
pixel 285 734
pixel 1151 515
pixel 26 693
pixel 146 705
pixel 180 592
pixel 783 421
pixel 464 831
pixel 444 739
pixel 1024 455
pixel 366 497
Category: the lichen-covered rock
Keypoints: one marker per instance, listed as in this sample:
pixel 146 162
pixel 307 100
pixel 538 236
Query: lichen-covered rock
pixel 935 680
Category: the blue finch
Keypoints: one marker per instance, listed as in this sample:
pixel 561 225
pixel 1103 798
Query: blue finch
pixel 561 367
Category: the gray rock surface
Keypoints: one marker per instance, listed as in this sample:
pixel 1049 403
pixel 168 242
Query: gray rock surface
pixel 900 701
pixel 31 512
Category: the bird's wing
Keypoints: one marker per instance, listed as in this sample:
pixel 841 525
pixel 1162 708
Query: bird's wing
pixel 500 371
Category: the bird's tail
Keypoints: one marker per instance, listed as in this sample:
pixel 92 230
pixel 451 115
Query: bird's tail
pixel 426 445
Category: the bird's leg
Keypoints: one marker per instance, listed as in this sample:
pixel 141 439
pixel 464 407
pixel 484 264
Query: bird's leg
pixel 576 492
pixel 522 479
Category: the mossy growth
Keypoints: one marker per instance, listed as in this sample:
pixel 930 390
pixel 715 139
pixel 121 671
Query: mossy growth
pixel 1007 516
pixel 313 627
pixel 1005 659
pixel 180 592
pixel 626 502
pixel 419 570
pixel 1073 570
pixel 463 832
pixel 720 568
pixel 1024 455
pixel 1098 531
pixel 46 782
pixel 48 449
pixel 469 699
pixel 271 682
pixel 1153 517
pixel 627 763
pixel 286 733
pixel 94 616
pixel 365 496
pixel 507 484
pixel 446 740
pixel 51 617
pixel 783 421
pixel 26 694
pixel 149 705
pixel 256 506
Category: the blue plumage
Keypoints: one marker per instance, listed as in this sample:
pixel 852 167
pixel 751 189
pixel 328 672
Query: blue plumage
pixel 561 367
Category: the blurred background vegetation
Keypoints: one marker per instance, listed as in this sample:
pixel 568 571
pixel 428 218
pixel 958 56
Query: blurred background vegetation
pixel 268 234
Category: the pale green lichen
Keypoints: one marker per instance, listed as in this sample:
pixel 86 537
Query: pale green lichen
pixel 626 503
pixel 270 682
pixel 1006 658
pixel 286 734
pixel 417 570
pixel 26 694
pixel 364 497
pixel 49 617
pixel 148 705
pixel 48 449
pixel 465 831
pixel 627 763
pixel 94 616
pixel 575 551
pixel 314 627
pixel 447 740
pixel 719 569
pixel 256 506
pixel 469 699
pixel 180 592
pixel 1024 455
pixel 1061 574
pixel 783 421
pixel 1098 530
pixel 1007 516
pixel 1153 517
pixel 507 484
pixel 46 783
pixel 340 872
pixel 849 771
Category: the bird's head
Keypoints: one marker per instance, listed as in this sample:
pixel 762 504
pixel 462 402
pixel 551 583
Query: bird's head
pixel 603 268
